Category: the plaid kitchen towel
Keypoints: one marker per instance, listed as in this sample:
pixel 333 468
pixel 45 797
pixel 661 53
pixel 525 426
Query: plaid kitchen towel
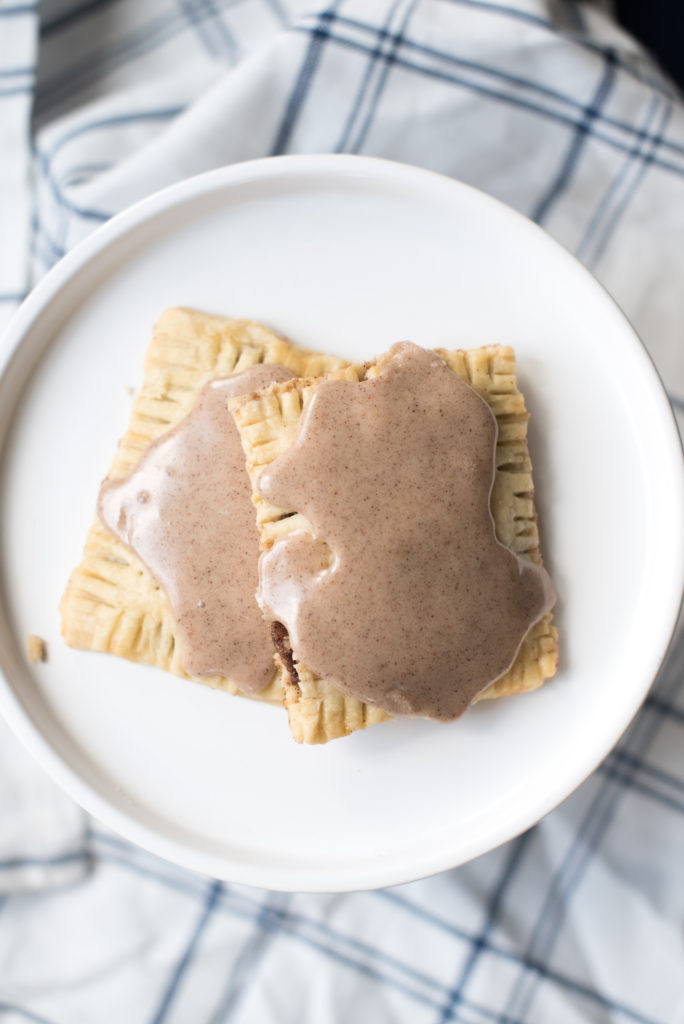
pixel 550 107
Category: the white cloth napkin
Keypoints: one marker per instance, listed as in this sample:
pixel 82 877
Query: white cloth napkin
pixel 550 107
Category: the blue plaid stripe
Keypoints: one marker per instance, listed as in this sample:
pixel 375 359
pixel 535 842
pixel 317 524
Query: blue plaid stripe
pixel 322 936
pixel 160 114
pixel 382 34
pixel 602 212
pixel 479 943
pixel 21 1011
pixel 591 996
pixel 597 820
pixel 517 14
pixel 82 172
pixel 225 38
pixel 665 707
pixel 401 977
pixel 378 68
pixel 15 90
pixel 571 119
pixel 319 35
pixel 11 863
pixel 314 935
pixel 345 950
pixel 43 246
pixel 247 963
pixel 646 790
pixel 518 81
pixel 48 248
pixel 189 952
pixel 388 58
pixel 62 200
pixel 198 22
pixel 17 10
pixel 646 159
pixel 279 11
pixel 591 113
pixel 656 773
pixel 215 35
pixel 358 955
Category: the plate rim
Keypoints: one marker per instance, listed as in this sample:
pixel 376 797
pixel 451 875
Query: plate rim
pixel 327 879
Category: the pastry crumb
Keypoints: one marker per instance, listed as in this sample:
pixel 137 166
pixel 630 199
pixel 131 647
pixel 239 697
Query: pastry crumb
pixel 129 390
pixel 37 648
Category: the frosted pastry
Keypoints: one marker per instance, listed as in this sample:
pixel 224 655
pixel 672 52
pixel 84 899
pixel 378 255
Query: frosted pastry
pixel 113 602
pixel 367 592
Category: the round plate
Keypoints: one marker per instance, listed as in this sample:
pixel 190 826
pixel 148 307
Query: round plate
pixel 348 255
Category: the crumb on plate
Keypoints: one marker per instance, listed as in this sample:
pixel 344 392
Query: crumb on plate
pixel 37 648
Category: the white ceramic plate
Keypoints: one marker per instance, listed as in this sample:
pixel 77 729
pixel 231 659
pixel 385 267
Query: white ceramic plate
pixel 349 255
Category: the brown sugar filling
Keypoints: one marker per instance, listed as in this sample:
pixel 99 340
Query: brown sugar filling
pixel 281 642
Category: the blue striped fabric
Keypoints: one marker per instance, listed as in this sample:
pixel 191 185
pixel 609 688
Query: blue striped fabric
pixel 550 107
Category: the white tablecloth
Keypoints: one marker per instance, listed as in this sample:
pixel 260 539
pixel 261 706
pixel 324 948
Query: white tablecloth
pixel 550 107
